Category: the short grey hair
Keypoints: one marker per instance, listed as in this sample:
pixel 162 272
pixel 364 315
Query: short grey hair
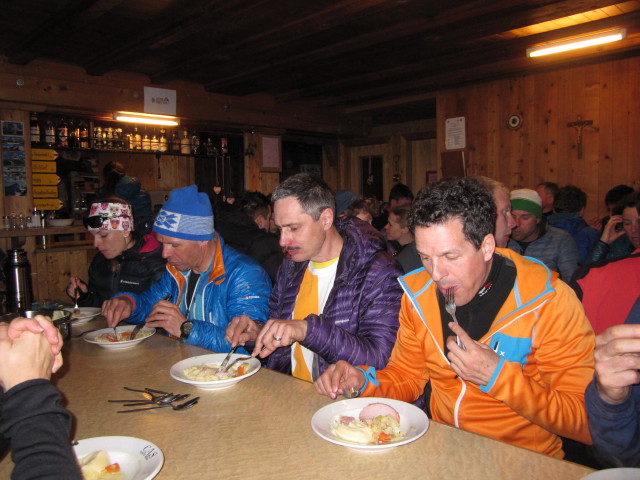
pixel 314 195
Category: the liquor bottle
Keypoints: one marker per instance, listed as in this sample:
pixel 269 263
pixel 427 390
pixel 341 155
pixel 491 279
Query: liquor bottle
pixel 117 138
pixel 74 133
pixel 107 133
pixel 137 139
pixel 35 129
pixel 185 143
pixel 63 134
pixel 97 137
pixel 162 143
pixel 175 141
pixel 84 135
pixel 155 143
pixel 224 148
pixel 208 147
pixel 49 134
pixel 146 142
pixel 195 144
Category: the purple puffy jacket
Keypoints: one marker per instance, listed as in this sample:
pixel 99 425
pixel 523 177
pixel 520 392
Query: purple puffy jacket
pixel 360 318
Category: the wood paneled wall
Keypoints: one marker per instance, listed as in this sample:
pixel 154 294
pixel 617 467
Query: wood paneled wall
pixel 545 148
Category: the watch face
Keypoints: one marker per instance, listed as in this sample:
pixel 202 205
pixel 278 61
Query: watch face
pixel 185 328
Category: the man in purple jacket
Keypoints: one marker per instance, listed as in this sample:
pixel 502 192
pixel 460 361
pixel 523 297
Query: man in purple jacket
pixel 336 295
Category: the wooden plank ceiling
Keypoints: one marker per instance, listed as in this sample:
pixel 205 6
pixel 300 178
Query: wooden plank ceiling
pixel 379 58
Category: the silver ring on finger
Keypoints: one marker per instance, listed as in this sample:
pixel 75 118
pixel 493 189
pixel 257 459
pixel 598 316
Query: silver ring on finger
pixel 277 339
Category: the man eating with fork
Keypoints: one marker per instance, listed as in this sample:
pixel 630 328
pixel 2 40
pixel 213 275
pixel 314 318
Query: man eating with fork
pixel 526 346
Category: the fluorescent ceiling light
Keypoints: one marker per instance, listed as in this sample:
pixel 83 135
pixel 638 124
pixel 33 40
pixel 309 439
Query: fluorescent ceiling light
pixel 146 118
pixel 577 42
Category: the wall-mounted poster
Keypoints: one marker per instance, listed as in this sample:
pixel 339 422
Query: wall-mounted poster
pixel 14 167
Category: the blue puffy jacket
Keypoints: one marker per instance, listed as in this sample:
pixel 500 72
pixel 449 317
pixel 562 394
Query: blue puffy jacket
pixel 584 235
pixel 237 285
pixel 360 318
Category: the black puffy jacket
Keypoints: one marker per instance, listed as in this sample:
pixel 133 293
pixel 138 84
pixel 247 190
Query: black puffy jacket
pixel 133 271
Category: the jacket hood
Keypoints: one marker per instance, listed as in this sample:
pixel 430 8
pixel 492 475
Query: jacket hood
pixel 571 222
pixel 362 243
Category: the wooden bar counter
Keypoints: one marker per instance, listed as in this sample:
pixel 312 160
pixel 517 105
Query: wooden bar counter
pixel 261 427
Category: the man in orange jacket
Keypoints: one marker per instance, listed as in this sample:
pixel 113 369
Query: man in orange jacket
pixel 516 366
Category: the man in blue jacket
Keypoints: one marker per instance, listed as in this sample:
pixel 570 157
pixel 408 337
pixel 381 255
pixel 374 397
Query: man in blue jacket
pixel 336 295
pixel 206 284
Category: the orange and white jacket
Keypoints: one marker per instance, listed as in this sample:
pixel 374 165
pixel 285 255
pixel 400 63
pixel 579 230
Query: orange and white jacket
pixel 536 393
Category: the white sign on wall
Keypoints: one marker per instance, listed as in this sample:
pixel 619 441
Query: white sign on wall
pixel 159 100
pixel 455 133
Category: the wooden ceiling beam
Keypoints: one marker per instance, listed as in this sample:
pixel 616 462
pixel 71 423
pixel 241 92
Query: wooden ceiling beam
pixel 449 27
pixel 452 64
pixel 271 39
pixel 69 18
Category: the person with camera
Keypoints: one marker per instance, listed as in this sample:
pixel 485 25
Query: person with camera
pixel 621 234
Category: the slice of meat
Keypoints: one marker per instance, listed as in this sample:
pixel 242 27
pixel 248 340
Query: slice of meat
pixel 374 410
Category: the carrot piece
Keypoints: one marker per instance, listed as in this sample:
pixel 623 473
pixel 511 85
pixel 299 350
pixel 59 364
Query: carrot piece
pixel 240 370
pixel 383 437
pixel 113 468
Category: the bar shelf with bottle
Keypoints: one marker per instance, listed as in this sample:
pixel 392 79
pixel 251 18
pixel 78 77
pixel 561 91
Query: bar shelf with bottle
pixel 62 133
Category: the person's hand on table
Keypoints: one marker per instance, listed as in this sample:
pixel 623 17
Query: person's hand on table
pixel 476 362
pixel 75 282
pixel 167 315
pixel 26 357
pixel 39 325
pixel 116 310
pixel 241 330
pixel 609 233
pixel 279 333
pixel 617 359
pixel 337 378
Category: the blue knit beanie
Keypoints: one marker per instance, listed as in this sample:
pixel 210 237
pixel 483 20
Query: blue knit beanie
pixel 187 215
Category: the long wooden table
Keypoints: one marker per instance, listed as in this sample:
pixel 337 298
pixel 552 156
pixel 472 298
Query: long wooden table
pixel 261 427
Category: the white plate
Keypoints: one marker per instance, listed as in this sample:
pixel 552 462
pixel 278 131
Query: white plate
pixel 87 313
pixel 91 337
pixel 413 420
pixel 138 459
pixel 177 370
pixel 615 474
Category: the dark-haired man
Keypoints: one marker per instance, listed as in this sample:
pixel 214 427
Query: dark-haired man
pixel 568 206
pixel 526 348
pixel 336 295
pixel 547 192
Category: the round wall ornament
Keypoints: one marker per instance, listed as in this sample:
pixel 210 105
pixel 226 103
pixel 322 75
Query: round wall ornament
pixel 515 121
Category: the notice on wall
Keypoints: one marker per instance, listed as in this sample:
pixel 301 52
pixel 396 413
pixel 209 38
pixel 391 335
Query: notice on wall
pixel 160 100
pixel 455 133
pixel 13 159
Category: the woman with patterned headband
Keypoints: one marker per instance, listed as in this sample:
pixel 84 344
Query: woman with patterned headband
pixel 127 260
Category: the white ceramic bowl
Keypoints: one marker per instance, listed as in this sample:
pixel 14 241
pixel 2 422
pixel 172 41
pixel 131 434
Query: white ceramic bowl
pixel 86 314
pixel 91 337
pixel 413 421
pixel 177 370
pixel 60 222
pixel 138 459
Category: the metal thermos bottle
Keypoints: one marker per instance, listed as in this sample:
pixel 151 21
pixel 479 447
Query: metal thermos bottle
pixel 20 293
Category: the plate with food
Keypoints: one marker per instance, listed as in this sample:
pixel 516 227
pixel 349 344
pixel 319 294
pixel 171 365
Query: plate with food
pixel 124 458
pixel 83 314
pixel 202 371
pixel 106 337
pixel 370 423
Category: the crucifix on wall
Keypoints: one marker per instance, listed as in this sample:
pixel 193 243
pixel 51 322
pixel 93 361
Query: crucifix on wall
pixel 579 126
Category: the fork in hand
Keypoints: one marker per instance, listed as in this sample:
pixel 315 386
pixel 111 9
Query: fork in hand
pixel 450 307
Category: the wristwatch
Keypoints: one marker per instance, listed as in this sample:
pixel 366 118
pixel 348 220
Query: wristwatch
pixel 185 329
